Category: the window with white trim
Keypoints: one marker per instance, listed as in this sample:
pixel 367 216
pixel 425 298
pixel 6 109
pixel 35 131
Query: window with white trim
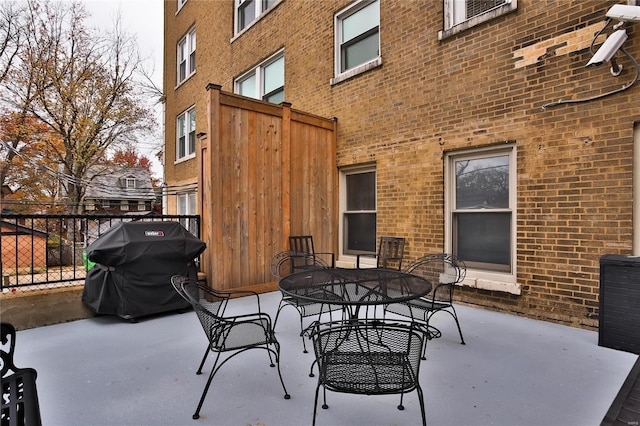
pixel 124 205
pixel 130 183
pixel 187 56
pixel 186 205
pixel 358 210
pixel 265 81
pixel 141 206
pixel 186 134
pixel 357 36
pixel 481 206
pixel 462 14
pixel 248 11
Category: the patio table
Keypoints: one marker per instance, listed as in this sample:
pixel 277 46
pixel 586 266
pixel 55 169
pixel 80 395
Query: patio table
pixel 354 288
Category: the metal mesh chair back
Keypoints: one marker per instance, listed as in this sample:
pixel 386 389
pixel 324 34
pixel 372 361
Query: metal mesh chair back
pixel 20 404
pixel 225 334
pixel 443 270
pixel 369 358
pixel 287 262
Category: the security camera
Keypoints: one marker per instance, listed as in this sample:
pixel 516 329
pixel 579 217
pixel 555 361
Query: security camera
pixel 624 13
pixel 608 48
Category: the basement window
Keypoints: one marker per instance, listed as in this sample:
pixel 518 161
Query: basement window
pixel 460 15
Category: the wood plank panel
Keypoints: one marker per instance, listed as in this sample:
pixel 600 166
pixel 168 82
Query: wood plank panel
pixel 265 177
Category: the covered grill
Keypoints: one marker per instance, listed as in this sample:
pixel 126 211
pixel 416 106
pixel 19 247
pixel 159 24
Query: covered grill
pixel 134 265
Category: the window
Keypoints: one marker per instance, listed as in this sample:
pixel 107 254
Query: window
pixel 357 37
pixel 130 183
pixel 187 206
pixel 358 205
pixel 481 208
pixel 124 205
pixel 187 56
pixel 266 81
pixel 186 134
pixel 249 11
pixel 462 14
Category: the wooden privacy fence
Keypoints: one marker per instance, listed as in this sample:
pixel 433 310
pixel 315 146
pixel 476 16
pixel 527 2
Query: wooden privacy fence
pixel 266 172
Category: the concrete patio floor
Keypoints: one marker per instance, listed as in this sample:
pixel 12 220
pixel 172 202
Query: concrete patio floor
pixel 512 371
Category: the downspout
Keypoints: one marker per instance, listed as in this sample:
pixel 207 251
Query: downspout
pixel 636 189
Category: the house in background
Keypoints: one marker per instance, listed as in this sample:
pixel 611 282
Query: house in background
pixel 23 248
pixel 119 190
pixel 449 131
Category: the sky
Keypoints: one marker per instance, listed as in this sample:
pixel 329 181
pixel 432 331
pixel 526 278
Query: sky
pixel 142 19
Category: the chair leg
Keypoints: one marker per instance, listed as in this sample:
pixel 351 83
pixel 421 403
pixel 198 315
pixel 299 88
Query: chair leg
pixel 204 358
pixel 196 415
pixel 315 405
pixel 455 317
pixel 275 321
pixel 304 344
pixel 277 355
pixel 422 410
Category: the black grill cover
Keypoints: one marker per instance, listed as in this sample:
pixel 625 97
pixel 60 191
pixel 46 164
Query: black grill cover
pixel 134 265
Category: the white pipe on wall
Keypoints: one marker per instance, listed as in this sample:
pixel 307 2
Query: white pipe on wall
pixel 636 189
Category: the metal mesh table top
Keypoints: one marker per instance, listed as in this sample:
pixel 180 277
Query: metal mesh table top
pixel 374 286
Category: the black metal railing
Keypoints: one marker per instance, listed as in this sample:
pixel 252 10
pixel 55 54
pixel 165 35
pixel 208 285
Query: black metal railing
pixel 45 251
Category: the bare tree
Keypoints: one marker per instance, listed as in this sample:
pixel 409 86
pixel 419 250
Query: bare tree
pixel 85 86
pixel 12 15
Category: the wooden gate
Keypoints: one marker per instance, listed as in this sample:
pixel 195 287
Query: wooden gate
pixel 266 172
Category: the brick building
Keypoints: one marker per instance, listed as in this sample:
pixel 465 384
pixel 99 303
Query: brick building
pixel 476 131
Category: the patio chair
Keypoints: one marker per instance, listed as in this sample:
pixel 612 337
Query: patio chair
pixel 368 358
pixel 390 253
pixel 287 262
pixel 233 334
pixel 20 405
pixel 303 245
pixel 445 272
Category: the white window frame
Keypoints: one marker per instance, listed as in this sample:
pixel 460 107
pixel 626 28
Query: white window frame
pixel 455 20
pixel 186 53
pixel 187 204
pixel 130 183
pixel 339 73
pixel 124 205
pixel 260 8
pixel 505 281
pixel 349 259
pixel 189 134
pixel 141 206
pixel 258 73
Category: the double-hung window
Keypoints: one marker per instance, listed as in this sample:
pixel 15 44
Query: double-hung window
pixel 481 208
pixel 358 206
pixel 462 14
pixel 266 81
pixel 248 11
pixel 186 205
pixel 187 56
pixel 357 35
pixel 186 134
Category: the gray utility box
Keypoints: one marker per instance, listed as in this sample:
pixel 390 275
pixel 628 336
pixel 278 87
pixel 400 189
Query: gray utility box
pixel 620 303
